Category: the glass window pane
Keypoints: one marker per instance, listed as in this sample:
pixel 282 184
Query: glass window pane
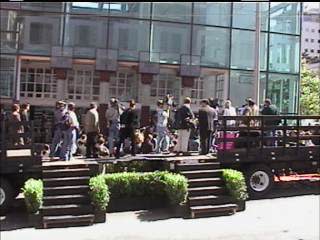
pixel 85 34
pixel 241 86
pixel 39 33
pixel 171 40
pixel 172 11
pixel 244 15
pixel 212 44
pixel 130 9
pixel 43 6
pixel 212 13
pixel 282 90
pixel 8 20
pixel 285 17
pixel 263 88
pixel 284 53
pixel 87 7
pixel 242 49
pixel 263 51
pixel 7 75
pixel 264 15
pixel 130 37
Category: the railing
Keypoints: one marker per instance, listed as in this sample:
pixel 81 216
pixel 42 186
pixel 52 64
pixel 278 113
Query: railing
pixel 254 133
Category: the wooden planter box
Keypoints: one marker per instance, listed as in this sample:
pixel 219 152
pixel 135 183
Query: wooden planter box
pixel 135 204
pixel 99 216
pixel 241 205
pixel 35 220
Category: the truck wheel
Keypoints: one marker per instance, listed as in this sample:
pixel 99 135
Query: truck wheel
pixel 260 180
pixel 6 195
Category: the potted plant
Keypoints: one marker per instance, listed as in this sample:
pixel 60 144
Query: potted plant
pixel 33 197
pixel 99 194
pixel 236 186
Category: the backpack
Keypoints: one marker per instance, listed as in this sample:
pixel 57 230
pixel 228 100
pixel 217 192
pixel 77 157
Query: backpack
pixel 66 122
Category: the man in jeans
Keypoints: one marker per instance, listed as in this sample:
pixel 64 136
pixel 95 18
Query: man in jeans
pixel 70 126
pixel 57 128
pixel 113 119
pixel 184 123
pixel 91 128
pixel 161 128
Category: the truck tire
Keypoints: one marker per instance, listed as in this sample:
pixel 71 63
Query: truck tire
pixel 6 195
pixel 260 180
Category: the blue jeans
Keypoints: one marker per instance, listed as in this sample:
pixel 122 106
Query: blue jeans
pixel 113 135
pixel 68 144
pixel 162 139
pixel 56 142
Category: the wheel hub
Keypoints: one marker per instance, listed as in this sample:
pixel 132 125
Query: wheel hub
pixel 259 181
pixel 2 196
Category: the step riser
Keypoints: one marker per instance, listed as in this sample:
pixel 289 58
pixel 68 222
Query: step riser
pixel 64 201
pixel 206 192
pixel 213 214
pixel 66 182
pixel 55 192
pixel 218 201
pixel 206 183
pixel 68 211
pixel 202 175
pixel 198 167
pixel 73 166
pixel 83 173
pixel 64 225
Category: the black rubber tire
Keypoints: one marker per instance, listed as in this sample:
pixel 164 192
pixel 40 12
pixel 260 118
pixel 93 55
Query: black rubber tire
pixel 250 171
pixel 8 194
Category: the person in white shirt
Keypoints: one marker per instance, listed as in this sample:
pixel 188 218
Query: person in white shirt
pixel 70 127
pixel 161 128
pixel 229 110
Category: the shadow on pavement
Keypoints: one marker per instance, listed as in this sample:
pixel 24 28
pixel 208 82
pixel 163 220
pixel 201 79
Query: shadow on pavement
pixel 154 215
pixel 17 218
pixel 294 188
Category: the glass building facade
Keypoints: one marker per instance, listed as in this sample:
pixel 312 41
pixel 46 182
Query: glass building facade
pixel 218 39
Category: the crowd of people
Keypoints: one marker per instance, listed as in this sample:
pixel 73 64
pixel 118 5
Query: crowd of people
pixel 172 129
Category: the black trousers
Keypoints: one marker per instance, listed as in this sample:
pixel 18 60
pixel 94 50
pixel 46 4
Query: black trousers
pixel 205 141
pixel 90 145
pixel 126 133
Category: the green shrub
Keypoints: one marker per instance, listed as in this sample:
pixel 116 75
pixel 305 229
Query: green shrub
pixel 235 183
pixel 176 188
pixel 99 192
pixel 152 185
pixel 33 194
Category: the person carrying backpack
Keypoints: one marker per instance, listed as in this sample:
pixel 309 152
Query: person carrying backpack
pixel 184 123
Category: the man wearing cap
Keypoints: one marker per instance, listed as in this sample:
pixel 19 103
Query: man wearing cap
pixel 91 128
pixel 57 127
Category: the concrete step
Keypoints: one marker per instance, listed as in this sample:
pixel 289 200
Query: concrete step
pixel 67 165
pixel 198 166
pixel 205 182
pixel 66 199
pixel 203 191
pixel 68 220
pixel 210 200
pixel 74 172
pixel 69 209
pixel 213 210
pixel 202 173
pixel 66 190
pixel 65 181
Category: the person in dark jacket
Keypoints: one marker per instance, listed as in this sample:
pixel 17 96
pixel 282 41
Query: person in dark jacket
pixel 185 121
pixel 207 116
pixel 129 121
pixel 269 110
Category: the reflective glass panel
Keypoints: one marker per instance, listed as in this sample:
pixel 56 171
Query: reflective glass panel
pixel 130 9
pixel 172 11
pixel 244 15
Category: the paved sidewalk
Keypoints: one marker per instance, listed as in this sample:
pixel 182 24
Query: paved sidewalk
pixel 293 218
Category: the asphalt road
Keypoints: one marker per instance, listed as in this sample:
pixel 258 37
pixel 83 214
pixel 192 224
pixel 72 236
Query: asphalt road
pixel 290 218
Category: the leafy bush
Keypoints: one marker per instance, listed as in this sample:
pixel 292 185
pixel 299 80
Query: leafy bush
pixel 99 192
pixel 152 185
pixel 235 183
pixel 33 194
pixel 134 166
